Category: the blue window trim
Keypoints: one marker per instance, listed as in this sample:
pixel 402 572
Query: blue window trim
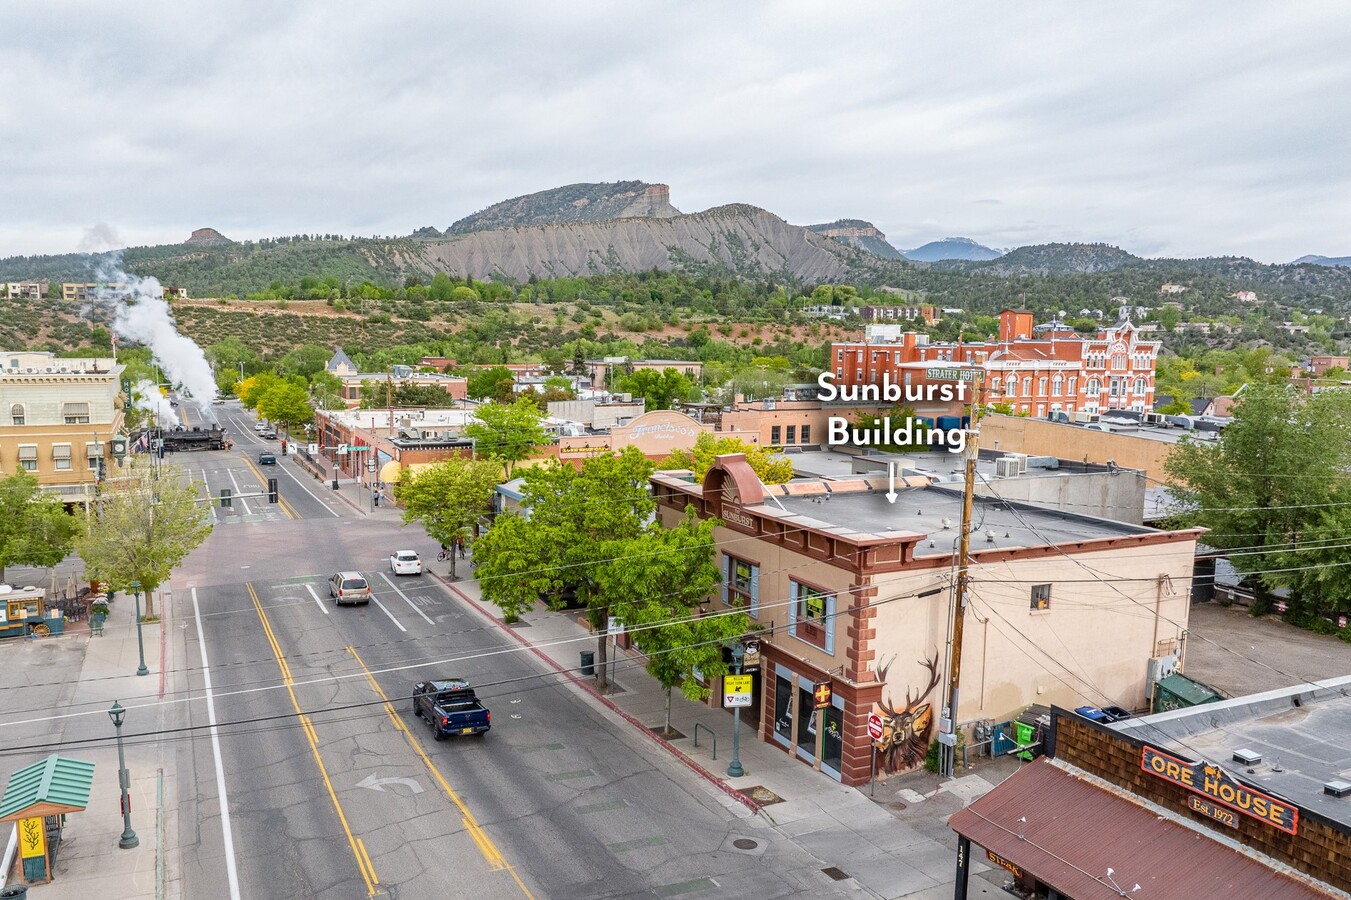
pixel 829 648
pixel 754 608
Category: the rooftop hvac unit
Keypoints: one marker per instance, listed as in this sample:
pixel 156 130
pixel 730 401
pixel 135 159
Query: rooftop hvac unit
pixel 769 404
pixel 1022 461
pixel 1006 467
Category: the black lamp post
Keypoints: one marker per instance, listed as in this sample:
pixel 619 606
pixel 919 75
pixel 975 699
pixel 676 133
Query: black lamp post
pixel 734 770
pixel 140 639
pixel 129 838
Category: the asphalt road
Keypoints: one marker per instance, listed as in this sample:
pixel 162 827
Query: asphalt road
pixel 335 789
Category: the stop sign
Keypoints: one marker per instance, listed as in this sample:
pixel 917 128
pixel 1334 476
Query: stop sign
pixel 875 726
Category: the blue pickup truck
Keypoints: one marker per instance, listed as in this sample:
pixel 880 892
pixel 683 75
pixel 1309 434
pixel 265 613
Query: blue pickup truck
pixel 450 707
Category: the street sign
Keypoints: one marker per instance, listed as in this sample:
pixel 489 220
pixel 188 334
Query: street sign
pixel 875 726
pixel 342 449
pixel 314 449
pixel 736 691
pixel 821 695
pixel 952 374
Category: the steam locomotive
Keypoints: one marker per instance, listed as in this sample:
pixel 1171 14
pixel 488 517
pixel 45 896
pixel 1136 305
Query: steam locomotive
pixel 180 438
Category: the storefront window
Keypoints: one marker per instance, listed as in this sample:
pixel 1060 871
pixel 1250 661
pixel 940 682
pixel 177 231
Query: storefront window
pixel 806 723
pixel 783 715
pixel 832 748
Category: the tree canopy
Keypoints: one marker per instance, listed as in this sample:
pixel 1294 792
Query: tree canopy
pixel 286 402
pixel 35 529
pixel 448 498
pixel 507 433
pixel 661 390
pixel 770 467
pixel 142 526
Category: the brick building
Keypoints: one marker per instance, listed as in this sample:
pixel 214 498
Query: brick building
pixel 1057 372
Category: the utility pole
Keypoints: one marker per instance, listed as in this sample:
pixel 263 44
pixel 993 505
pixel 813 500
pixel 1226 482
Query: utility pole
pixel 947 728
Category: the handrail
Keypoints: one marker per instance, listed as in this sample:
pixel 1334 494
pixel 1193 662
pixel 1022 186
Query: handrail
pixel 713 734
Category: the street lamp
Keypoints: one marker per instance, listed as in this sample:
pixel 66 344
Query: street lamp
pixel 140 639
pixel 129 838
pixel 734 770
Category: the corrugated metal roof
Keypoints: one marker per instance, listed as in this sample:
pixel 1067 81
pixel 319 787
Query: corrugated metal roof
pixel 1067 831
pixel 56 784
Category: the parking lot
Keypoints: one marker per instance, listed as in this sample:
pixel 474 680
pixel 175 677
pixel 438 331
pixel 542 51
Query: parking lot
pixel 1237 654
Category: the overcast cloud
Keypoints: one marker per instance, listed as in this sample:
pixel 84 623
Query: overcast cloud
pixel 1193 129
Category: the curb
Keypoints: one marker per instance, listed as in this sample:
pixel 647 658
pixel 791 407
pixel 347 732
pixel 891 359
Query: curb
pixel 744 799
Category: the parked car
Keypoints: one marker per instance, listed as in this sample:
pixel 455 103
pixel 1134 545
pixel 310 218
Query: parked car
pixel 270 433
pixel 405 562
pixel 349 587
pixel 260 426
pixel 267 459
pixel 450 707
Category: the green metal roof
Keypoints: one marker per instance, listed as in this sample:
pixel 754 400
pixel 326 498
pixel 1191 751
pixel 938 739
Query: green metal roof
pixel 1192 692
pixel 56 784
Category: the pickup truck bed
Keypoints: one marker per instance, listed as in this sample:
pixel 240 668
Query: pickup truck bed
pixel 450 707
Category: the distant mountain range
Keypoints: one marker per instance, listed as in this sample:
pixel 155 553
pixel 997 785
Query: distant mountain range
pixel 1323 261
pixel 631 226
pixel 952 248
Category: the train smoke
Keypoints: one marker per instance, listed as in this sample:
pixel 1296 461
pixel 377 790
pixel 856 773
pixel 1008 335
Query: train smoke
pixel 146 395
pixel 141 314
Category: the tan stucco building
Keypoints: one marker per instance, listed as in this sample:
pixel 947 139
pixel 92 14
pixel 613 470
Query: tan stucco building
pixel 853 591
pixel 57 416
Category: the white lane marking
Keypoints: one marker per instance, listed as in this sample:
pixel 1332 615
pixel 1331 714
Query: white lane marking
pixel 386 611
pixel 242 502
pixel 210 504
pixel 322 607
pixel 308 491
pixel 227 833
pixel 405 598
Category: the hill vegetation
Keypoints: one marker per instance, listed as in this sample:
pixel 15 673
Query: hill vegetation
pixel 572 203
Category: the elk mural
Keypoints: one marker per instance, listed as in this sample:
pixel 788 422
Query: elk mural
pixel 906 731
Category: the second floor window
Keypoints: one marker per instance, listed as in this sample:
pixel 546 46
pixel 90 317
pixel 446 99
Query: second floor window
pixel 792 434
pixel 811 615
pixel 17 413
pixel 775 433
pixel 75 413
pixel 741 584
pixel 806 434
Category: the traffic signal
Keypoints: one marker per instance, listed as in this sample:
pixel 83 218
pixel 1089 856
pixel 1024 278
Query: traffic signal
pixel 225 500
pixel 272 490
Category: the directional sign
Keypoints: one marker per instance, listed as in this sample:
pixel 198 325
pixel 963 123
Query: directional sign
pixel 736 690
pixel 342 449
pixel 875 726
pixel 951 374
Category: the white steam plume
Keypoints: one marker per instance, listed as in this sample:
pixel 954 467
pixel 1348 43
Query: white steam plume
pixel 144 317
pixel 146 396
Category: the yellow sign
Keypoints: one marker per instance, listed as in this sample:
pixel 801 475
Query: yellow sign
pixel 736 690
pixel 32 838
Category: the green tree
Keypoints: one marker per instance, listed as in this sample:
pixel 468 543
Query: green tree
pixel 1275 480
pixel 507 433
pixel 494 383
pixel 327 390
pixel 287 403
pixel 252 389
pixel 229 357
pixel 660 389
pixel 559 549
pixel 770 467
pixel 142 526
pixel 305 360
pixel 653 583
pixel 448 498
pixel 35 529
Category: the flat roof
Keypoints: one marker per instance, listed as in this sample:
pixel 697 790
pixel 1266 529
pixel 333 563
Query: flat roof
pixel 935 510
pixel 1303 734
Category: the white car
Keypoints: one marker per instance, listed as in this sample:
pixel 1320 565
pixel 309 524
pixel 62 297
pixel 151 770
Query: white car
pixel 405 562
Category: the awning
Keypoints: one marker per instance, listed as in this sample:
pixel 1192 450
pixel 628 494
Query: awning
pixel 1066 829
pixel 28 451
pixel 54 785
pixel 75 409
pixel 60 451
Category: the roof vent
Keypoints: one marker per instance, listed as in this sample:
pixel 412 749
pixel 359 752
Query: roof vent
pixel 947 523
pixel 1247 757
pixel 1337 788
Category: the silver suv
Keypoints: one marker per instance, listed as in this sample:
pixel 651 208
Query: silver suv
pixel 349 587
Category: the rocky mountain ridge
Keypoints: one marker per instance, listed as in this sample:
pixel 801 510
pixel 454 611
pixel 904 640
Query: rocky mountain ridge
pixel 952 248
pixel 860 234
pixel 584 202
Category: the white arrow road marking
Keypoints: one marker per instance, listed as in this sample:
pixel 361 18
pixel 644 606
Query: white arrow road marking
pixel 322 607
pixel 378 784
pixel 891 475
pixel 385 576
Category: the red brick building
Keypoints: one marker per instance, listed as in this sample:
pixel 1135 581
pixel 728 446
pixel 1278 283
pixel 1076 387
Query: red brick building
pixel 1036 370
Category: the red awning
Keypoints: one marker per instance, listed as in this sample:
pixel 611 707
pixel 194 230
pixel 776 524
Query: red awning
pixel 1067 830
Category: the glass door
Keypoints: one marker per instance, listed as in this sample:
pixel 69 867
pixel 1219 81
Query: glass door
pixel 806 721
pixel 783 706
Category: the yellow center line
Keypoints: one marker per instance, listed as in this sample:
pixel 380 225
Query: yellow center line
pixel 480 837
pixel 286 508
pixel 358 849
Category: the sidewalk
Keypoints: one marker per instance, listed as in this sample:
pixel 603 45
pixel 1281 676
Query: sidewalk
pixel 356 495
pixel 89 862
pixel 894 844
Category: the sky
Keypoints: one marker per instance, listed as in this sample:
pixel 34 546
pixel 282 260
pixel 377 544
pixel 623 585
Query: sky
pixel 1197 129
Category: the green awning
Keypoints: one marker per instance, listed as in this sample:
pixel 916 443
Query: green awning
pixel 1193 693
pixel 54 785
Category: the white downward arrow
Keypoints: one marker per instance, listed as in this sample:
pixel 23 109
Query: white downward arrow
pixel 891 475
pixel 378 784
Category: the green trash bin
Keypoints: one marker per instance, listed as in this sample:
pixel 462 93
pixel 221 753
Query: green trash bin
pixel 1026 735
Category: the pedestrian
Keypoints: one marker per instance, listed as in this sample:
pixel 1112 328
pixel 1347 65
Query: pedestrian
pixel 459 542
pixel 375 498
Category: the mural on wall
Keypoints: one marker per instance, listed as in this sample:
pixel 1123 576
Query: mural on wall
pixel 906 732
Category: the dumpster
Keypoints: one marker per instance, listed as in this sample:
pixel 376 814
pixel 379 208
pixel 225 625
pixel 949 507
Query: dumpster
pixel 588 662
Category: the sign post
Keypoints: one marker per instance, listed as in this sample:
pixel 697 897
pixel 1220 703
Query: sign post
pixel 876 729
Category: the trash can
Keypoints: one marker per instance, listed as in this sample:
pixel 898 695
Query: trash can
pixel 17 892
pixel 1093 713
pixel 588 662
pixel 1115 713
pixel 1026 735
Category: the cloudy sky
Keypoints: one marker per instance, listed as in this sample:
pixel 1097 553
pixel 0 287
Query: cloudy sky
pixel 1193 129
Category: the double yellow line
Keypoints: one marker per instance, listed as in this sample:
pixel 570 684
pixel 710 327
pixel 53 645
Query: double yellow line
pixel 358 847
pixel 480 837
